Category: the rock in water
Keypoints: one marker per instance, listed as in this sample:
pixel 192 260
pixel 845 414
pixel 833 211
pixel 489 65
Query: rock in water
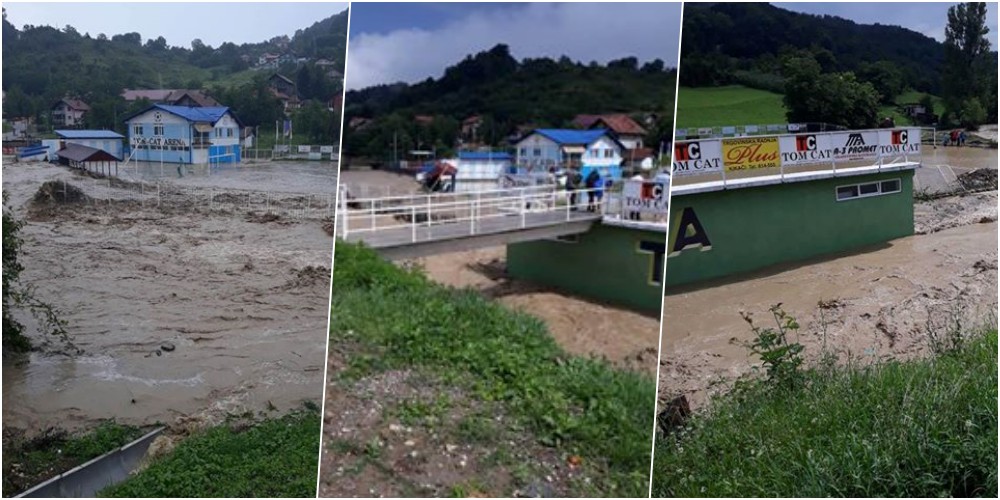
pixel 167 347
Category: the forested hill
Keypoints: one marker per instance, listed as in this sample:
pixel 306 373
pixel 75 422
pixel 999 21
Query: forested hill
pixel 752 36
pixel 42 64
pixel 506 93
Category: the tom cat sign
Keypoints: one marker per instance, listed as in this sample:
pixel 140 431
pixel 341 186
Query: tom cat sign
pixel 646 197
pixel 697 157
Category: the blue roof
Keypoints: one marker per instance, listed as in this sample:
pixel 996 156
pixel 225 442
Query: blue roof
pixel 89 134
pixel 209 114
pixel 480 155
pixel 564 136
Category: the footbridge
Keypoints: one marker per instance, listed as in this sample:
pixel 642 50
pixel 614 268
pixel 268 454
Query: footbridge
pixel 411 226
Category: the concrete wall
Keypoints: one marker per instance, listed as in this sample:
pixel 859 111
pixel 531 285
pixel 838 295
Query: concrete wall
pixel 751 228
pixel 609 263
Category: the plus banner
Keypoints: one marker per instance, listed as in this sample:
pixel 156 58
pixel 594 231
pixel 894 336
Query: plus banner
pixel 750 153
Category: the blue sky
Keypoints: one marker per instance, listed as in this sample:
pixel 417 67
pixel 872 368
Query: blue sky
pixel 410 42
pixel 214 23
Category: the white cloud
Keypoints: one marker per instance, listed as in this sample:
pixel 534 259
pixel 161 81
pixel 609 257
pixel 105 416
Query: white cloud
pixel 583 31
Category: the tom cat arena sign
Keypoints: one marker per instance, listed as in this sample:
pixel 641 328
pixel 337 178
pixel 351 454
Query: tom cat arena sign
pixel 748 153
pixel 646 197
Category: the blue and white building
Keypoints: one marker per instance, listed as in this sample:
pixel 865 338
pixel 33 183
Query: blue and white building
pixel 105 140
pixel 569 148
pixel 181 134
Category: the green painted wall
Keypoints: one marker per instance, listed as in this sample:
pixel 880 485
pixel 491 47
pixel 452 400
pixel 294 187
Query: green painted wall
pixel 605 263
pixel 752 228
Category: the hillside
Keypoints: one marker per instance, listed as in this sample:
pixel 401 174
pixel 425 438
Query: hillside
pixel 766 31
pixel 42 64
pixel 506 94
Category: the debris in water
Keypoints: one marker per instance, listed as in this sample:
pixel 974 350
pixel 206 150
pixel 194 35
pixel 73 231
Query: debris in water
pixel 979 179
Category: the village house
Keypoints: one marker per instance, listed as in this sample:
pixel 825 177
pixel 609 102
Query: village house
pixel 182 134
pixel 174 97
pixel 284 89
pixel 68 112
pixel 570 148
pixel 105 140
pixel 267 61
pixel 628 132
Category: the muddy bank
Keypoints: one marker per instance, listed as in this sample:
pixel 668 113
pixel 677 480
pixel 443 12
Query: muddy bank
pixel 181 312
pixel 584 328
pixel 880 303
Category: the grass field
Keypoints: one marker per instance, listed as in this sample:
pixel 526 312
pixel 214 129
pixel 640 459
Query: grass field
pixel 573 405
pixel 730 105
pixel 738 105
pixel 275 457
pixel 918 428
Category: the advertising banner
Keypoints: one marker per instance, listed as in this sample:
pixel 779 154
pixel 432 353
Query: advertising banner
pixel 899 142
pixel 305 149
pixel 326 149
pixel 750 153
pixel 805 149
pixel 697 157
pixel 857 145
pixel 646 197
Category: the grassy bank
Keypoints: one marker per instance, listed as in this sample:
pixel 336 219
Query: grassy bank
pixel 574 405
pixel 272 458
pixel 899 429
pixel 29 460
pixel 730 105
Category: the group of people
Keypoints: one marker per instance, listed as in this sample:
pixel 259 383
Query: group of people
pixel 593 184
pixel 955 138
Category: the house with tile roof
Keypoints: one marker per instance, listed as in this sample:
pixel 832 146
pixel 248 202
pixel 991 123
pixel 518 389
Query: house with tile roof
pixel 69 112
pixel 184 134
pixel 175 97
pixel 627 130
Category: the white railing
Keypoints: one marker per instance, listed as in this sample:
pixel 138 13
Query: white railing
pixel 524 207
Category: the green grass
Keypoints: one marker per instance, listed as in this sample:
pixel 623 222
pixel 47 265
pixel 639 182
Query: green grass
pixel 731 105
pixel 899 429
pixel 29 461
pixel 273 458
pixel 580 406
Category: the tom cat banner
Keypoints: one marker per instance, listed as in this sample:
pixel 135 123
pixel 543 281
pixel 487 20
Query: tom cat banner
pixel 646 197
pixel 750 153
pixel 697 157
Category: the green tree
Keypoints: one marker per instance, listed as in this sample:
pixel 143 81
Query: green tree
pixel 14 340
pixel 885 78
pixel 965 49
pixel 836 98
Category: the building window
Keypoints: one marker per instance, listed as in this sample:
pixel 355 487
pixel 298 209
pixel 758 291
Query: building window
pixel 609 153
pixel 137 129
pixel 868 189
pixel 158 130
pixel 524 151
pixel 537 152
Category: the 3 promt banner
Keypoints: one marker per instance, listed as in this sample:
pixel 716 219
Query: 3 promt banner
pixel 703 156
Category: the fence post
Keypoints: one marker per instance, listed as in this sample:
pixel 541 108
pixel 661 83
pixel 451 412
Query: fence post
pixel 524 210
pixel 413 223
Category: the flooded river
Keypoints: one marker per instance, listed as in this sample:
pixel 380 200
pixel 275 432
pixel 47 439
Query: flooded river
pixel 177 310
pixel 884 301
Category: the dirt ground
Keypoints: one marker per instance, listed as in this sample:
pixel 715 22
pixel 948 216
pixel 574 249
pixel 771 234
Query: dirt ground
pixel 177 313
pixel 582 327
pixel 407 434
pixel 873 304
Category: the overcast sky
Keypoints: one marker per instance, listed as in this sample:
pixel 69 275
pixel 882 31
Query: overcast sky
pixel 927 18
pixel 179 23
pixel 410 42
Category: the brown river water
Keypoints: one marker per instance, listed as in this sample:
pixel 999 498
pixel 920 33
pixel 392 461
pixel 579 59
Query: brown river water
pixel 242 299
pixel 877 303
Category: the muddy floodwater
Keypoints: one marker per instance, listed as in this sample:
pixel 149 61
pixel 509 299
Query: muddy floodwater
pixel 885 301
pixel 184 309
pixel 624 337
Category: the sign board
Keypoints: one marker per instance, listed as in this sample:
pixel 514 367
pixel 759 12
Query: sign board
pixel 649 197
pixel 805 149
pixel 305 149
pixel 855 145
pixel 326 149
pixel 899 142
pixel 750 153
pixel 751 129
pixel 697 157
pixel 706 131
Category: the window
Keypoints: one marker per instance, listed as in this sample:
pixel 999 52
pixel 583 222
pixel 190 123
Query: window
pixel 157 129
pixel 868 189
pixel 524 151
pixel 609 153
pixel 137 129
pixel 537 152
